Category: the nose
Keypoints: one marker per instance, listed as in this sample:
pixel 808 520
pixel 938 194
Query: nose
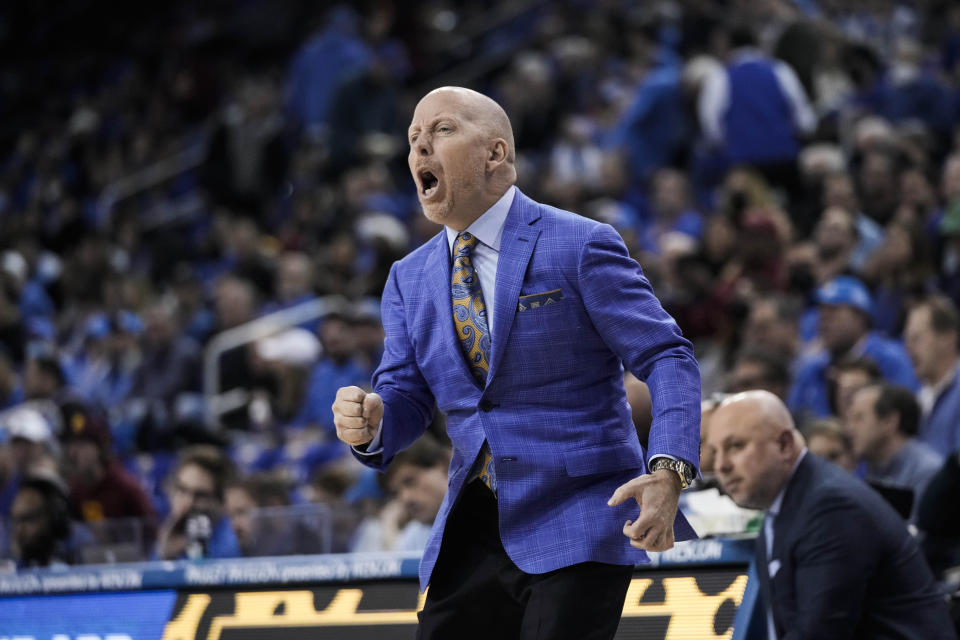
pixel 721 463
pixel 422 146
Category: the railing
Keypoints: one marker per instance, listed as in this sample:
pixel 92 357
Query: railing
pixel 170 167
pixel 470 37
pixel 216 403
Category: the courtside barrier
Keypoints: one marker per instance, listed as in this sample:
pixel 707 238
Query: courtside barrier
pixel 697 591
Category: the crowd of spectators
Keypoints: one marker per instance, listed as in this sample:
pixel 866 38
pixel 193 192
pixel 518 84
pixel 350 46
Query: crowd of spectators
pixel 787 173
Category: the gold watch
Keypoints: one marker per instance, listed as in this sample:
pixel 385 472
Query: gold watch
pixel 683 469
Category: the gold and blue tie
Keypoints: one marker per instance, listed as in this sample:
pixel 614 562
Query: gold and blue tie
pixel 473 333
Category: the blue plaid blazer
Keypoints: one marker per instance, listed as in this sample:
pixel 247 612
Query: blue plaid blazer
pixel 554 410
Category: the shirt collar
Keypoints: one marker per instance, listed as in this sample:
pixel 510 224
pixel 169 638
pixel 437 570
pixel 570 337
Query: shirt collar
pixel 941 386
pixel 774 509
pixel 488 228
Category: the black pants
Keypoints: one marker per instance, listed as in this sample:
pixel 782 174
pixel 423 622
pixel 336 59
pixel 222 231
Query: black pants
pixel 477 592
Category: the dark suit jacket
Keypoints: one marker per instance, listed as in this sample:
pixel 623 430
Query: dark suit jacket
pixel 845 565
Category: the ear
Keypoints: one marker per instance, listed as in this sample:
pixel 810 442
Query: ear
pixel 787 440
pixel 497 153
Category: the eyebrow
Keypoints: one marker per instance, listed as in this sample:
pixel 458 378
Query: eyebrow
pixel 432 123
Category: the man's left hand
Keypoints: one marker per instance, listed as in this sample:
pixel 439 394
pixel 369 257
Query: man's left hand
pixel 657 495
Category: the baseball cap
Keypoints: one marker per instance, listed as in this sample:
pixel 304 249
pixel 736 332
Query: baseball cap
pixel 846 290
pixel 79 422
pixel 28 424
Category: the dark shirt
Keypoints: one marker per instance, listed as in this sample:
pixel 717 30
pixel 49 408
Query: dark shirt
pixel 117 495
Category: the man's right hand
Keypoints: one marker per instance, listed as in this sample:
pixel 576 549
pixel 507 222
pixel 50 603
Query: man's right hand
pixel 357 415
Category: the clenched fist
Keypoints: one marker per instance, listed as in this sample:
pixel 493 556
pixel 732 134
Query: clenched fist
pixel 357 415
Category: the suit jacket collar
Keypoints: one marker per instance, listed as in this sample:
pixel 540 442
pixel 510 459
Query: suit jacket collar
pixel 520 233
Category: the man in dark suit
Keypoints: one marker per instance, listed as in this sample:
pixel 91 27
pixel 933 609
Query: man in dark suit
pixel 517 321
pixel 834 560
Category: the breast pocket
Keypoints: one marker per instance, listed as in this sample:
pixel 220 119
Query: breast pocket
pixel 548 311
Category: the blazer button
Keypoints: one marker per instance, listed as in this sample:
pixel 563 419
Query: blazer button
pixel 486 406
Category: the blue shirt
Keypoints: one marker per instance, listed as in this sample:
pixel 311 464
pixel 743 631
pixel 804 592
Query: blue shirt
pixel 810 392
pixel 940 429
pixel 325 378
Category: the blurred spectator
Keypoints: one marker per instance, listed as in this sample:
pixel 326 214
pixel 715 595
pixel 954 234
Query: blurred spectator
pixel 246 159
pixel 293 284
pixel 104 372
pixel 329 487
pixel 835 238
pixel 417 482
pixel 755 111
pixel 234 305
pixel 672 209
pixel 364 112
pixel 40 518
pixel 828 439
pixel 772 325
pixel 321 66
pixel 655 124
pixel 197 525
pixel 337 368
pixel 949 230
pixel 844 323
pixel 756 368
pixel 11 393
pixel 9 482
pixel 43 377
pixel 882 424
pixel 839 191
pixel 265 524
pixel 848 377
pixel 169 366
pixel 877 183
pixel 909 91
pixel 33 444
pixel 100 488
pixel 932 336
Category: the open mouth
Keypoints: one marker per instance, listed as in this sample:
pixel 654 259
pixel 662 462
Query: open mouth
pixel 428 183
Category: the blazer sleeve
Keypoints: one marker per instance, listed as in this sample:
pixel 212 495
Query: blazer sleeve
pixel 833 563
pixel 626 313
pixel 407 401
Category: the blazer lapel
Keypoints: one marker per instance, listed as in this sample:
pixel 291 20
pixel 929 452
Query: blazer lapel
pixel 436 271
pixel 519 237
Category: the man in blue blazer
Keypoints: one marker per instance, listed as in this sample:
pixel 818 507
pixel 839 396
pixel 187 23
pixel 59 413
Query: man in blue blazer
pixel 516 321
pixel 834 560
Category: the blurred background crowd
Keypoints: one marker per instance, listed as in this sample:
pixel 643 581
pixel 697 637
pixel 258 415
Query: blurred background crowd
pixel 200 202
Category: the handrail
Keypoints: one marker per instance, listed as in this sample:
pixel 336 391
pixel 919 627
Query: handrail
pixel 466 71
pixel 216 403
pixel 150 176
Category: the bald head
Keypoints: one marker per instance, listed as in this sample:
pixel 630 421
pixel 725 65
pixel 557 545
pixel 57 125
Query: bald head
pixel 762 409
pixel 755 445
pixel 483 111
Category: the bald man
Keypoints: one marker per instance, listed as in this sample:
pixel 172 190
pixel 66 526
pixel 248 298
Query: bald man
pixel 834 560
pixel 517 321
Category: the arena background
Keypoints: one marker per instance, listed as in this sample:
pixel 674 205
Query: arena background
pixel 200 202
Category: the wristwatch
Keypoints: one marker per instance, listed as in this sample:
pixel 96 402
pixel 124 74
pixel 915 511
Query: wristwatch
pixel 683 469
